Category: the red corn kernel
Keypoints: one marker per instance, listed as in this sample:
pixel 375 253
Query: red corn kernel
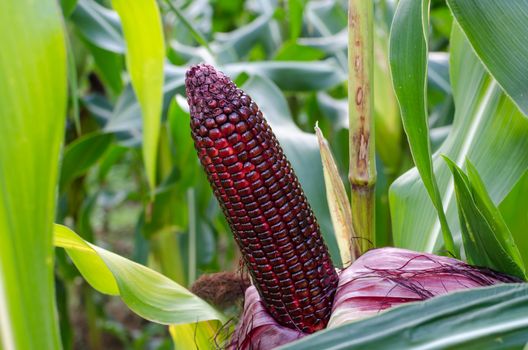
pixel 270 217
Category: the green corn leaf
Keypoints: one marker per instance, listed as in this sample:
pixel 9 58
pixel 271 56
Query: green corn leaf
pixel 386 111
pixel 238 43
pixel 498 32
pixel 99 25
pixel 408 61
pixel 493 215
pixel 109 66
pixel 184 152
pixel 145 54
pixel 515 213
pixel 125 119
pixel 488 129
pixel 487 240
pixel 81 154
pixel 33 96
pixel 293 76
pixel 200 39
pixel 295 14
pixel 291 51
pixel 146 292
pixel 68 6
pixel 484 318
pixel 473 247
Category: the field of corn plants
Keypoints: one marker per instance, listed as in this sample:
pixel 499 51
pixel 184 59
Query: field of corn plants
pixel 260 174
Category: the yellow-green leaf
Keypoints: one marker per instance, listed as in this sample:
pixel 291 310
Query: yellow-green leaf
pixel 200 335
pixel 338 203
pixel 145 53
pixel 145 291
pixel 33 86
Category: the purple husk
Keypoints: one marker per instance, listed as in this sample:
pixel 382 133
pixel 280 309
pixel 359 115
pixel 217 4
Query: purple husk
pixel 378 280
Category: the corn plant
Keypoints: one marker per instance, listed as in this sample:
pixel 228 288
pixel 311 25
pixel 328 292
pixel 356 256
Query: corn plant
pixel 365 162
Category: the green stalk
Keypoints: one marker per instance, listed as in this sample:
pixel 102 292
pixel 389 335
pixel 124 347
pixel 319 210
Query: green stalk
pixel 192 235
pixel 165 247
pixel 362 172
pixel 95 337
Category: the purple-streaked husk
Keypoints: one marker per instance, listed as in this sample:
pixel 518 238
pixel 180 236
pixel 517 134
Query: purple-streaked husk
pixel 378 280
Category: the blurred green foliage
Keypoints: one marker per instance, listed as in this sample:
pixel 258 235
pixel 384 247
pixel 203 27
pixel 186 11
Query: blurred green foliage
pixel 290 55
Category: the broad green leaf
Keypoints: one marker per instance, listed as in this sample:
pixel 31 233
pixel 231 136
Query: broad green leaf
pixel 236 45
pixel 330 44
pixel 109 65
pixel 99 25
pixel 493 216
pixel 182 143
pixel 91 266
pixel 190 27
pixel 99 107
pixel 33 96
pixel 68 6
pixel 114 153
pixel 145 54
pixel 326 17
pixel 300 147
pixel 484 318
pixel 408 61
pixel 338 204
pixel 515 212
pixel 81 154
pixel 291 51
pixel 293 76
pixel 474 248
pixel 487 240
pixel 295 14
pixel 498 32
pixel 488 129
pixel 327 20
pixel 386 111
pixel 146 292
pixel 125 119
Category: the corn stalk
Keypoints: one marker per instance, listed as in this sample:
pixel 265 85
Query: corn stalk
pixel 362 172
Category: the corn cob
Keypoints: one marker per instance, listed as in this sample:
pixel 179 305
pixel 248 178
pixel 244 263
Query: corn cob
pixel 262 200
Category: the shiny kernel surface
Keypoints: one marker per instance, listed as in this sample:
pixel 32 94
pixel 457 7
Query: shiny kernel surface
pixel 262 199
